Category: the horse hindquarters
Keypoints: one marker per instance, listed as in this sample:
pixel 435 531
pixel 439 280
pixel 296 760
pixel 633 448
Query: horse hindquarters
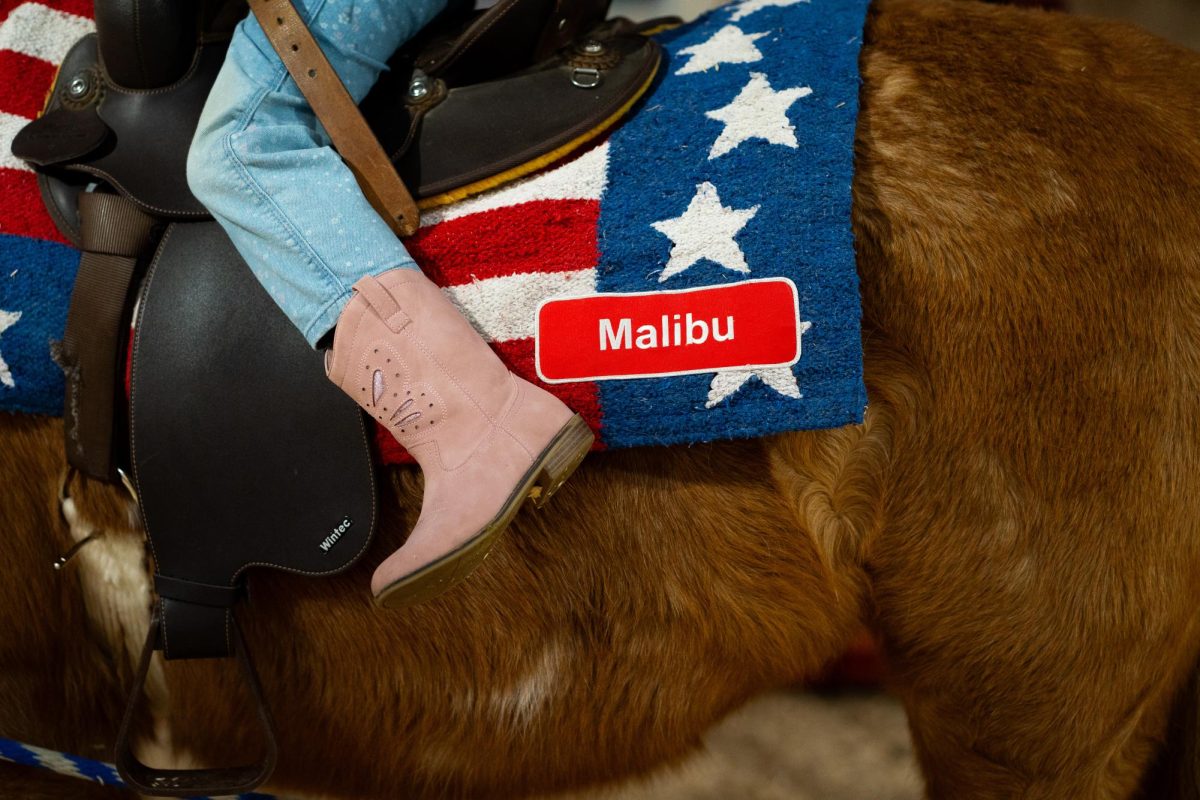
pixel 1025 217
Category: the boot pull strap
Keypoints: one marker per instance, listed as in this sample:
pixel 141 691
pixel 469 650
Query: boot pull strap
pixel 336 111
pixel 384 304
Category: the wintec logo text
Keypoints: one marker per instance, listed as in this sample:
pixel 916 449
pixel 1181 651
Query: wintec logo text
pixel 335 534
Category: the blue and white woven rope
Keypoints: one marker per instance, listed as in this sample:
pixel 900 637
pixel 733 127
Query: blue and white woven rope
pixel 77 766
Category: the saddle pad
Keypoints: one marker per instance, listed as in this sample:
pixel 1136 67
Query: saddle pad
pixel 736 168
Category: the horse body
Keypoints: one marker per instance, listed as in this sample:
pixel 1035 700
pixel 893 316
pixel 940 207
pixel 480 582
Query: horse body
pixel 1016 517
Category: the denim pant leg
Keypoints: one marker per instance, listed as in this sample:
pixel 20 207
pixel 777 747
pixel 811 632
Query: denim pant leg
pixel 262 163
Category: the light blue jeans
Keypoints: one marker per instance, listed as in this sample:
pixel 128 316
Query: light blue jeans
pixel 262 164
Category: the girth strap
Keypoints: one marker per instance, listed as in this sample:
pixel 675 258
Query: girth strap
pixel 114 232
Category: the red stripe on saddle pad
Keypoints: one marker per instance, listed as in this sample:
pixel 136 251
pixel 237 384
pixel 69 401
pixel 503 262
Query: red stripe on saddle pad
pixel 538 236
pixel 25 95
pixel 22 212
pixel 583 397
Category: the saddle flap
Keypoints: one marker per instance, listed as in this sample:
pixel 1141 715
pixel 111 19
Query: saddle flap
pixel 60 136
pixel 243 453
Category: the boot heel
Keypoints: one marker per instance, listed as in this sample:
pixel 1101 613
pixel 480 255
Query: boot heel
pixel 560 459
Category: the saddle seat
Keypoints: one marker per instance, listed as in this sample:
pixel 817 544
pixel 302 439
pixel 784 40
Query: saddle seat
pixel 455 119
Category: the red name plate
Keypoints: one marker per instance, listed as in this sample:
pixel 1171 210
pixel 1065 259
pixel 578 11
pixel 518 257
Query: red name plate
pixel 752 324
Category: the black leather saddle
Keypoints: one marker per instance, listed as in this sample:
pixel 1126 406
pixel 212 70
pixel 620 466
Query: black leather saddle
pixel 240 453
pixel 243 455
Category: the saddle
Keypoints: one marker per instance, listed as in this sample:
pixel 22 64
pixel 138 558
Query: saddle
pixel 477 99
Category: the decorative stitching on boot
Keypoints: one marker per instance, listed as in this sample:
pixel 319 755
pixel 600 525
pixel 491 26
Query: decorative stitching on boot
pixel 424 405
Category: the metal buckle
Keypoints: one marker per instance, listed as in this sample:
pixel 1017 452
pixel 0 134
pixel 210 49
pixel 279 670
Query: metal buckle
pixel 128 483
pixel 64 494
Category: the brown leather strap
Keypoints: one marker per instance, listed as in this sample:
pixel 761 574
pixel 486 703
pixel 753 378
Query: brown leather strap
pixel 113 232
pixel 189 782
pixel 570 20
pixel 336 110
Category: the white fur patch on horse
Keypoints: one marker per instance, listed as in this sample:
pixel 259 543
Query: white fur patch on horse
pixel 522 702
pixel 115 581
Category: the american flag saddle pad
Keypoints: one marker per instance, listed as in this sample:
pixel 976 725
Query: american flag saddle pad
pixel 688 279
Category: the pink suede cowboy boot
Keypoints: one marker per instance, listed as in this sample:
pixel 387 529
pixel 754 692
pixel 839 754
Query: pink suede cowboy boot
pixel 485 439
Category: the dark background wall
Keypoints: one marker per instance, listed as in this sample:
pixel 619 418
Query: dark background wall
pixel 1178 20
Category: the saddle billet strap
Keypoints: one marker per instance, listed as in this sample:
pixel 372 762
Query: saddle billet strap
pixel 336 110
pixel 188 782
pixel 571 19
pixel 502 40
pixel 113 232
pixel 511 36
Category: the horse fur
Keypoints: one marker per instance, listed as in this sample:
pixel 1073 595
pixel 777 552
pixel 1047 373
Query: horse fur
pixel 1016 518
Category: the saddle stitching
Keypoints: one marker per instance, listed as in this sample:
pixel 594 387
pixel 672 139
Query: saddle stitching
pixel 112 85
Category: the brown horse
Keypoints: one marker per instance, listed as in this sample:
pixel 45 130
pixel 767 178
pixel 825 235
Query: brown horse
pixel 1017 517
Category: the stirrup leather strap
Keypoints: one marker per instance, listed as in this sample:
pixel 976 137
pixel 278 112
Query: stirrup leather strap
pixel 114 233
pixel 337 112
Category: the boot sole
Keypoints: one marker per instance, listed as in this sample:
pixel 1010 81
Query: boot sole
pixel 548 472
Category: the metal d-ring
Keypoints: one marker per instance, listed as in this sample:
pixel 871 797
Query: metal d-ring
pixel 585 77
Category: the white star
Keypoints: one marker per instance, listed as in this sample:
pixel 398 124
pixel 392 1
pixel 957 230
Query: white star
pixel 730 45
pixel 748 7
pixel 705 230
pixel 758 112
pixel 7 320
pixel 780 379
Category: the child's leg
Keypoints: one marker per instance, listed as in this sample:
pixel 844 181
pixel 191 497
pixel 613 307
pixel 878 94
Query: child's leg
pixel 263 166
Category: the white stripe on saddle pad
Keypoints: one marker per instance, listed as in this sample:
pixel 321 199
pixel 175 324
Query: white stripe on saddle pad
pixel 9 125
pixel 582 179
pixel 42 32
pixel 505 308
